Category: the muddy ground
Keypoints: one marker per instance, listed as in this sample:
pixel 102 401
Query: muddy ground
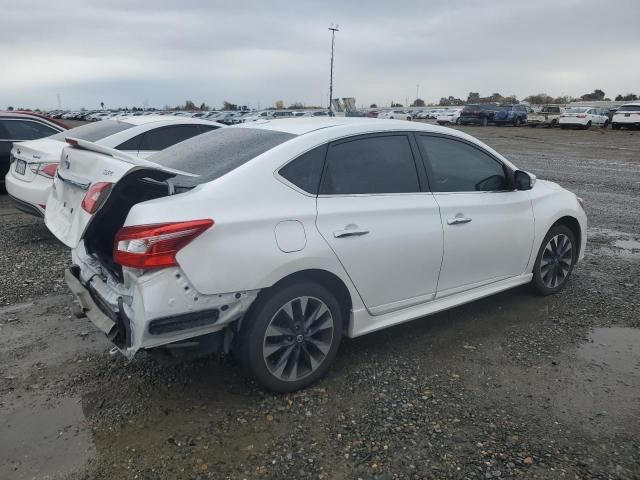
pixel 513 386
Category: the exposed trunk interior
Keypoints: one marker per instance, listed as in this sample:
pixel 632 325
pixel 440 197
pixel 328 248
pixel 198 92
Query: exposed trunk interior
pixel 136 187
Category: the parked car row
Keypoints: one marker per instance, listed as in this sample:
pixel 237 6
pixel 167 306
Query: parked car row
pixel 33 162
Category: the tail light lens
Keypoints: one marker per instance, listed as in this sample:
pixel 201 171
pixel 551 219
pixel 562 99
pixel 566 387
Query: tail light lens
pixel 47 170
pixel 154 246
pixel 94 197
pixel 582 115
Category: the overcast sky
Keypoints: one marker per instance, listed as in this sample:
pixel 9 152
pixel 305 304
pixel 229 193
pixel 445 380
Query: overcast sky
pixel 126 53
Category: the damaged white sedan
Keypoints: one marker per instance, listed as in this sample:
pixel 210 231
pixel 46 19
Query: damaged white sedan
pixel 276 239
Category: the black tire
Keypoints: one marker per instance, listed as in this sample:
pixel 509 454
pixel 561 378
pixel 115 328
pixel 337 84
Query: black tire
pixel 251 340
pixel 554 123
pixel 457 121
pixel 484 121
pixel 541 280
pixel 588 125
pixel 605 124
pixel 615 126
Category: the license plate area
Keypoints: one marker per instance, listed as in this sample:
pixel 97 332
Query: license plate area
pixel 21 167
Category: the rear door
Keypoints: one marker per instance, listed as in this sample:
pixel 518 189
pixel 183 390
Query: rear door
pixel 383 226
pixel 85 177
pixel 488 226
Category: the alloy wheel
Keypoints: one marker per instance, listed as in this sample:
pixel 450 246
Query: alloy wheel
pixel 298 338
pixel 556 262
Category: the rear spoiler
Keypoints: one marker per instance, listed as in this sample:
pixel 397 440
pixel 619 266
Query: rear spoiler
pixel 119 155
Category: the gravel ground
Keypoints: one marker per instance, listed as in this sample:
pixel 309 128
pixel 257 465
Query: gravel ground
pixel 512 386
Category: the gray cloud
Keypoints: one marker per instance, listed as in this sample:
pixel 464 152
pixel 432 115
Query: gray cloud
pixel 255 52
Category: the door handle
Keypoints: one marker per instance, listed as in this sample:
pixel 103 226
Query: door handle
pixel 458 220
pixel 350 231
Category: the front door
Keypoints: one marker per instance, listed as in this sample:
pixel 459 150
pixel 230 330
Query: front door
pixel 488 226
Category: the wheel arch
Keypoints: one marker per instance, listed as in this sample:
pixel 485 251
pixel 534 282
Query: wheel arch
pixel 572 224
pixel 327 279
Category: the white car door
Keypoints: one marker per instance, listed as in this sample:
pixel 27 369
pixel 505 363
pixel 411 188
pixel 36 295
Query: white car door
pixel 488 226
pixel 383 227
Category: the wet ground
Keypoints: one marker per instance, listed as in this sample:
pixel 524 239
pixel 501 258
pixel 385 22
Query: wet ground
pixel 513 386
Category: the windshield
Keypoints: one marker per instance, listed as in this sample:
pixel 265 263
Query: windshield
pixel 629 108
pixel 92 132
pixel 550 110
pixel 214 154
pixel 576 110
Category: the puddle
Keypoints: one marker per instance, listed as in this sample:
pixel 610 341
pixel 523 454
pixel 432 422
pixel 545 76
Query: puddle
pixel 43 442
pixel 602 388
pixel 632 245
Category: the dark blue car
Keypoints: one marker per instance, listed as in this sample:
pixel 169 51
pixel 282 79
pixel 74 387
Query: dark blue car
pixel 515 115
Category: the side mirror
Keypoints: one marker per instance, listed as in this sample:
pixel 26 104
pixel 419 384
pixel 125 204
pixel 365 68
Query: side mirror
pixel 524 180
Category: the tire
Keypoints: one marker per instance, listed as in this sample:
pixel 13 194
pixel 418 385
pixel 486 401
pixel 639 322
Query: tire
pixel 457 121
pixel 605 124
pixel 271 355
pixel 554 123
pixel 588 125
pixel 615 126
pixel 484 122
pixel 554 263
pixel 517 122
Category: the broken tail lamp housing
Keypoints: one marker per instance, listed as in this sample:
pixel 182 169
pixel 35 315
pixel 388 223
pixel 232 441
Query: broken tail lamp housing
pixel 155 246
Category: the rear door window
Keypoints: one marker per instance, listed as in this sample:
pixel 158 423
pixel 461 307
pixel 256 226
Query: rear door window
pixel 163 137
pixel 371 165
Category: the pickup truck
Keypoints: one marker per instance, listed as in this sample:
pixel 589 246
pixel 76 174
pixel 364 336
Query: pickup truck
pixel 548 116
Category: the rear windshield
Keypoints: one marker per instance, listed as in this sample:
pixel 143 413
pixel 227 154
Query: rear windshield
pixel 214 154
pixel 92 132
pixel 550 110
pixel 576 110
pixel 629 108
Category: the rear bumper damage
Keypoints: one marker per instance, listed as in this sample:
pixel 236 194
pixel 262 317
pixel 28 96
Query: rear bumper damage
pixel 149 309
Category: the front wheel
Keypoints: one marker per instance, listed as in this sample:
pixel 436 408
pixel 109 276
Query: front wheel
pixel 291 336
pixel 555 260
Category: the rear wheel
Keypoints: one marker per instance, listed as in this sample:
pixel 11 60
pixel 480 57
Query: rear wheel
pixel 615 126
pixel 555 260
pixel 516 122
pixel 554 123
pixel 484 122
pixel 291 336
pixel 605 124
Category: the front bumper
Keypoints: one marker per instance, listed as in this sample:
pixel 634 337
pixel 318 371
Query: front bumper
pixel 149 309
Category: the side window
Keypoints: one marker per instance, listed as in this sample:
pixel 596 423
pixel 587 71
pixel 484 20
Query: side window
pixel 164 137
pixel 381 164
pixel 131 144
pixel 459 167
pixel 306 170
pixel 27 129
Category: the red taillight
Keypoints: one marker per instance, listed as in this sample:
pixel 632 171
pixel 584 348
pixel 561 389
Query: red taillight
pixel 582 115
pixel 50 170
pixel 95 196
pixel 153 246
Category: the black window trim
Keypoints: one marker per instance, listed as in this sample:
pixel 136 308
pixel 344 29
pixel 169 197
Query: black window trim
pixel 509 172
pixel 165 127
pixel 359 136
pixel 33 120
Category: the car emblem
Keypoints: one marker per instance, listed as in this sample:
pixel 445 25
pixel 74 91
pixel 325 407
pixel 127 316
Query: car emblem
pixel 18 151
pixel 67 162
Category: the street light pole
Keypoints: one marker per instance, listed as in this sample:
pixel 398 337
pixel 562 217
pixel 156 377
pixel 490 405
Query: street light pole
pixel 334 29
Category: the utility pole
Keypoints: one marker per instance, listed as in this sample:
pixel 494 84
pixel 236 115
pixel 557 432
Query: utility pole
pixel 417 90
pixel 334 29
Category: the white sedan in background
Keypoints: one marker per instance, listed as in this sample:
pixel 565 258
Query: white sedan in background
pixel 582 117
pixel 34 163
pixel 303 231
pixel 449 116
pixel 395 115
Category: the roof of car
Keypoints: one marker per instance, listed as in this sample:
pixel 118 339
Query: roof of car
pixel 303 125
pixel 33 116
pixel 145 119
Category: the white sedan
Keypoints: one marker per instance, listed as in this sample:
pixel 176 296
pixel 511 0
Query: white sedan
pixel 301 232
pixel 582 117
pixel 34 163
pixel 395 115
pixel 449 116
